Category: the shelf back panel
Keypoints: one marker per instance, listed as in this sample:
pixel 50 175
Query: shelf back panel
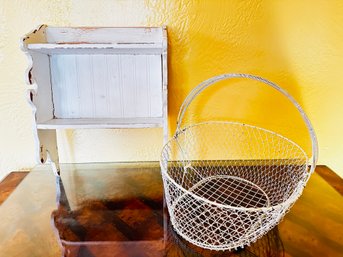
pixel 106 86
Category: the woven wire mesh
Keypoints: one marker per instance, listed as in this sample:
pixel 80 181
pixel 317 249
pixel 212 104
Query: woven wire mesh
pixel 227 184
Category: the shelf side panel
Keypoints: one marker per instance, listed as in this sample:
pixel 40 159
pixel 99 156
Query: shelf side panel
pixel 107 86
pixel 42 99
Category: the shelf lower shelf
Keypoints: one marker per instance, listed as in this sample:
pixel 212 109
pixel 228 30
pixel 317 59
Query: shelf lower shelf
pixel 98 123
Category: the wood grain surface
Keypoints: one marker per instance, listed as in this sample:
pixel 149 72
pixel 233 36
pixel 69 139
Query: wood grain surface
pixel 117 210
pixel 9 183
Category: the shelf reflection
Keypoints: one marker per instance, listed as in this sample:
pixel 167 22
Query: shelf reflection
pixel 133 224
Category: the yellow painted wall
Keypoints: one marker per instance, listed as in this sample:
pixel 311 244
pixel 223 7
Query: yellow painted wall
pixel 297 44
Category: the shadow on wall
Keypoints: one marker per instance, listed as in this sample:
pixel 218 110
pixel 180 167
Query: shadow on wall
pixel 209 38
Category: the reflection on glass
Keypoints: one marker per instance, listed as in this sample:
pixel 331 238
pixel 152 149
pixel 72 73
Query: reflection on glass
pixel 268 246
pixel 128 219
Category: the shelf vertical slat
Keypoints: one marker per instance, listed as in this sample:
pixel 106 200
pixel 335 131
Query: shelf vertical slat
pixel 100 84
pixel 93 102
pixel 57 76
pixel 136 109
pixel 142 86
pixel 148 79
pixel 77 82
pixel 70 85
pixel 128 89
pixel 114 85
pixel 155 85
pixel 85 91
pixel 121 90
pixel 65 86
pixel 108 87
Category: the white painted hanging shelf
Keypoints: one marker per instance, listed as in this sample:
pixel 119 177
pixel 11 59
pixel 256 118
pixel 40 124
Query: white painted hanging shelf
pixel 95 77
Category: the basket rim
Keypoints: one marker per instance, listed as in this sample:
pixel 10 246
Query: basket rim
pixel 289 201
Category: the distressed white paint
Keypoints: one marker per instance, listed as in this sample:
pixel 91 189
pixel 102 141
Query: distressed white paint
pixel 108 35
pixel 96 78
pixel 96 48
pixel 101 123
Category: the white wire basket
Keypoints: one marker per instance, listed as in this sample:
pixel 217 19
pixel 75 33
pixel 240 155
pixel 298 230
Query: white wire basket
pixel 227 183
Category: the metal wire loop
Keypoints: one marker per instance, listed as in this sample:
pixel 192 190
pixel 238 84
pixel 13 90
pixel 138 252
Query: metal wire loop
pixel 207 83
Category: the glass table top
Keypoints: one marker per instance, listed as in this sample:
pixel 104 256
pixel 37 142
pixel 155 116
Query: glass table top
pixel 117 210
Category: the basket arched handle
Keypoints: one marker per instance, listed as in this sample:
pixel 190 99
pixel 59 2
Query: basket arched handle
pixel 201 87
